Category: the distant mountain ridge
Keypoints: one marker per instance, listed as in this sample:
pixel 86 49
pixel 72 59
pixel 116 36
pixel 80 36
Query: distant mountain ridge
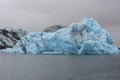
pixel 54 28
pixel 10 36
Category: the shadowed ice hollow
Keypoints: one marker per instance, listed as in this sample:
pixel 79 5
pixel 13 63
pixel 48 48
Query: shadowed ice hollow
pixel 85 37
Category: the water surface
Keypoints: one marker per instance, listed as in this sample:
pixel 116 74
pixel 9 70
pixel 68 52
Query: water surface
pixel 59 67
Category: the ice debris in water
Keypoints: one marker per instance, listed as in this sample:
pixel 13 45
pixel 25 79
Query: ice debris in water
pixel 85 37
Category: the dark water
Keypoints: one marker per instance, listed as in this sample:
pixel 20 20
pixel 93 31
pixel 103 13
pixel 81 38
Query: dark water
pixel 59 67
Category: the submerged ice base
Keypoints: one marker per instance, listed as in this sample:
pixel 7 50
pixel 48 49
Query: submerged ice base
pixel 85 37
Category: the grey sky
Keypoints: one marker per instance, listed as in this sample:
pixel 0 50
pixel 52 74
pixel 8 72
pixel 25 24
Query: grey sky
pixel 35 15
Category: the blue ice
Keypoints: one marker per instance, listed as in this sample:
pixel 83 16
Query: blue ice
pixel 85 37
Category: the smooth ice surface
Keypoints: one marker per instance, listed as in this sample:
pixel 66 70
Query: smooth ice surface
pixel 85 37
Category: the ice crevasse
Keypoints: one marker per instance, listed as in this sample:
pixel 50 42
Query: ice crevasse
pixel 85 37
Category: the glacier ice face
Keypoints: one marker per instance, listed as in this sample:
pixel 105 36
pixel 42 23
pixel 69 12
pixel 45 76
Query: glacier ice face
pixel 85 37
pixel 97 47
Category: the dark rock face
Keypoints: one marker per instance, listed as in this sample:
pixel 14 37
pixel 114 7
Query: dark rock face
pixel 9 37
pixel 54 28
pixel 119 48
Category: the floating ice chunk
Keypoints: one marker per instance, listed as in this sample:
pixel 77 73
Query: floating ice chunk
pixel 85 37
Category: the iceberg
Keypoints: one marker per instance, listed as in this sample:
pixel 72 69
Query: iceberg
pixel 85 37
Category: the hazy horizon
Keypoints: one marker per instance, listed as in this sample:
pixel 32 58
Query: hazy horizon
pixel 35 15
